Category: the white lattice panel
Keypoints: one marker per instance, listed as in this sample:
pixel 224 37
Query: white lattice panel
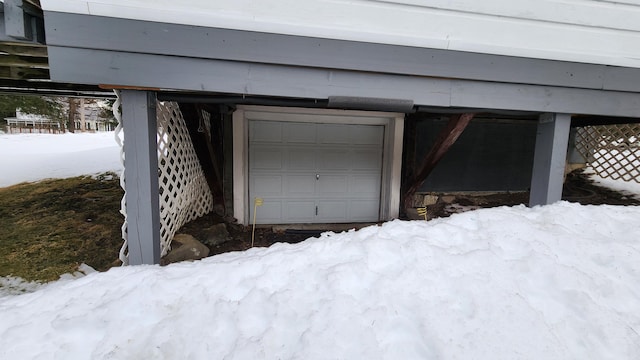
pixel 184 193
pixel 613 151
pixel 119 135
pixel 183 190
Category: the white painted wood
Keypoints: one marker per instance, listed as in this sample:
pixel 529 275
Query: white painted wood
pixel 239 166
pixel 589 31
pixel 388 184
pixel 395 172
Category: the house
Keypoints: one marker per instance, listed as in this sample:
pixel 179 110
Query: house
pixel 322 99
pixel 30 123
pixel 89 117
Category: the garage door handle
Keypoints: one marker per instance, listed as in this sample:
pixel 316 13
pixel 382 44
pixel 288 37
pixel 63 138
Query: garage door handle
pixel 317 176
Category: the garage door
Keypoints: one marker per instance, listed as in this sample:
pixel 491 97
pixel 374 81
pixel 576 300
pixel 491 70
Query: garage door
pixel 315 173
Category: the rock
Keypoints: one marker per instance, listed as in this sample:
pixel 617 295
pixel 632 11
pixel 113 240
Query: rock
pixel 448 199
pixel 215 235
pixel 218 209
pixel 185 247
pixel 429 200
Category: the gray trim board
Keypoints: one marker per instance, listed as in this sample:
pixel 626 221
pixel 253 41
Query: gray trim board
pixel 124 35
pixel 180 73
pixel 549 160
pixel 141 176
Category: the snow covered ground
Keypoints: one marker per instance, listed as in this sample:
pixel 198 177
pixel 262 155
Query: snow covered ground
pixel 32 157
pixel 552 282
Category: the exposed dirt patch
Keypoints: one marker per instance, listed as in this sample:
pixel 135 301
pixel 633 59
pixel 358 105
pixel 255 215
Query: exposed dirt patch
pixel 50 227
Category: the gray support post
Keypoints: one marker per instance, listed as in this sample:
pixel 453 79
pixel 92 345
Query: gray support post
pixel 141 176
pixel 550 157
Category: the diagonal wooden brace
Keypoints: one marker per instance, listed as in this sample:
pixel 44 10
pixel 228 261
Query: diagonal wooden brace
pixel 446 138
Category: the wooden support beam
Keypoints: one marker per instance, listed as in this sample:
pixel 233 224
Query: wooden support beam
pixel 550 159
pixel 24 49
pixel 23 73
pixel 446 138
pixel 23 61
pixel 141 176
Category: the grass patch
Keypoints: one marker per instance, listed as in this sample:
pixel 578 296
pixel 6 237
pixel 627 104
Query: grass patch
pixel 50 227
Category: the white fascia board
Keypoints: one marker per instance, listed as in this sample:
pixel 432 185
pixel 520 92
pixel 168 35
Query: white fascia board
pixel 536 35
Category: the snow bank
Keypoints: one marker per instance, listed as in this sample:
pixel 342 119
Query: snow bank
pixel 33 157
pixel 554 282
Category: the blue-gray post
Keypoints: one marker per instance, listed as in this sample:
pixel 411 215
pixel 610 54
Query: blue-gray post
pixel 141 176
pixel 550 158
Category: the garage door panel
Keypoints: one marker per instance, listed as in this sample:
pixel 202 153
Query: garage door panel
pixel 333 185
pixel 333 210
pixel 366 159
pixel 315 173
pixel 302 158
pixel 364 210
pixel 265 131
pixel 301 133
pixel 298 185
pixel 266 158
pixel 301 211
pixel 366 135
pixel 269 213
pixel 333 134
pixel 266 185
pixel 334 160
pixel 365 185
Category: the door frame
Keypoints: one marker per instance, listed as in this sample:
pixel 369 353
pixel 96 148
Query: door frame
pixel 391 153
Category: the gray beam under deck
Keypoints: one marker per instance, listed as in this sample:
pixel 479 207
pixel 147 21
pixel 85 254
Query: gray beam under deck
pixel 549 159
pixel 125 35
pixel 204 75
pixel 141 176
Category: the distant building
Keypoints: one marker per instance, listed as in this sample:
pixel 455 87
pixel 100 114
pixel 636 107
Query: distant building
pixel 31 123
pixel 88 117
pixel 92 119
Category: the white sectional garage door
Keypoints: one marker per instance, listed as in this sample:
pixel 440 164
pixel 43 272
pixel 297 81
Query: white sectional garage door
pixel 315 173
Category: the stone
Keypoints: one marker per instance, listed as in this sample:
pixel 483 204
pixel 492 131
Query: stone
pixel 215 235
pixel 429 200
pixel 185 247
pixel 448 199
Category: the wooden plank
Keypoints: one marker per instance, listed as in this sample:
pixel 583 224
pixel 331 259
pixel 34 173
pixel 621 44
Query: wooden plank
pixel 51 88
pixel 24 49
pixel 446 138
pixel 93 32
pixel 168 72
pixel 589 13
pixel 388 23
pixel 23 61
pixel 23 73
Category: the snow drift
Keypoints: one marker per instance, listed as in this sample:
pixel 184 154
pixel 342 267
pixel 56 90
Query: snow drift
pixel 553 282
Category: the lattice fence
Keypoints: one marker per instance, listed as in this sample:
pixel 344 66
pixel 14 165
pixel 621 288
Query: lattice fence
pixel 184 193
pixel 613 151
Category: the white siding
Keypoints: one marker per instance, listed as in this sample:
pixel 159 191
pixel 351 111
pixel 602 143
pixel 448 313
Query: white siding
pixel 590 31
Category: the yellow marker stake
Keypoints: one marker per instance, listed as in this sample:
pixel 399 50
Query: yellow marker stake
pixel 422 211
pixel 257 202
